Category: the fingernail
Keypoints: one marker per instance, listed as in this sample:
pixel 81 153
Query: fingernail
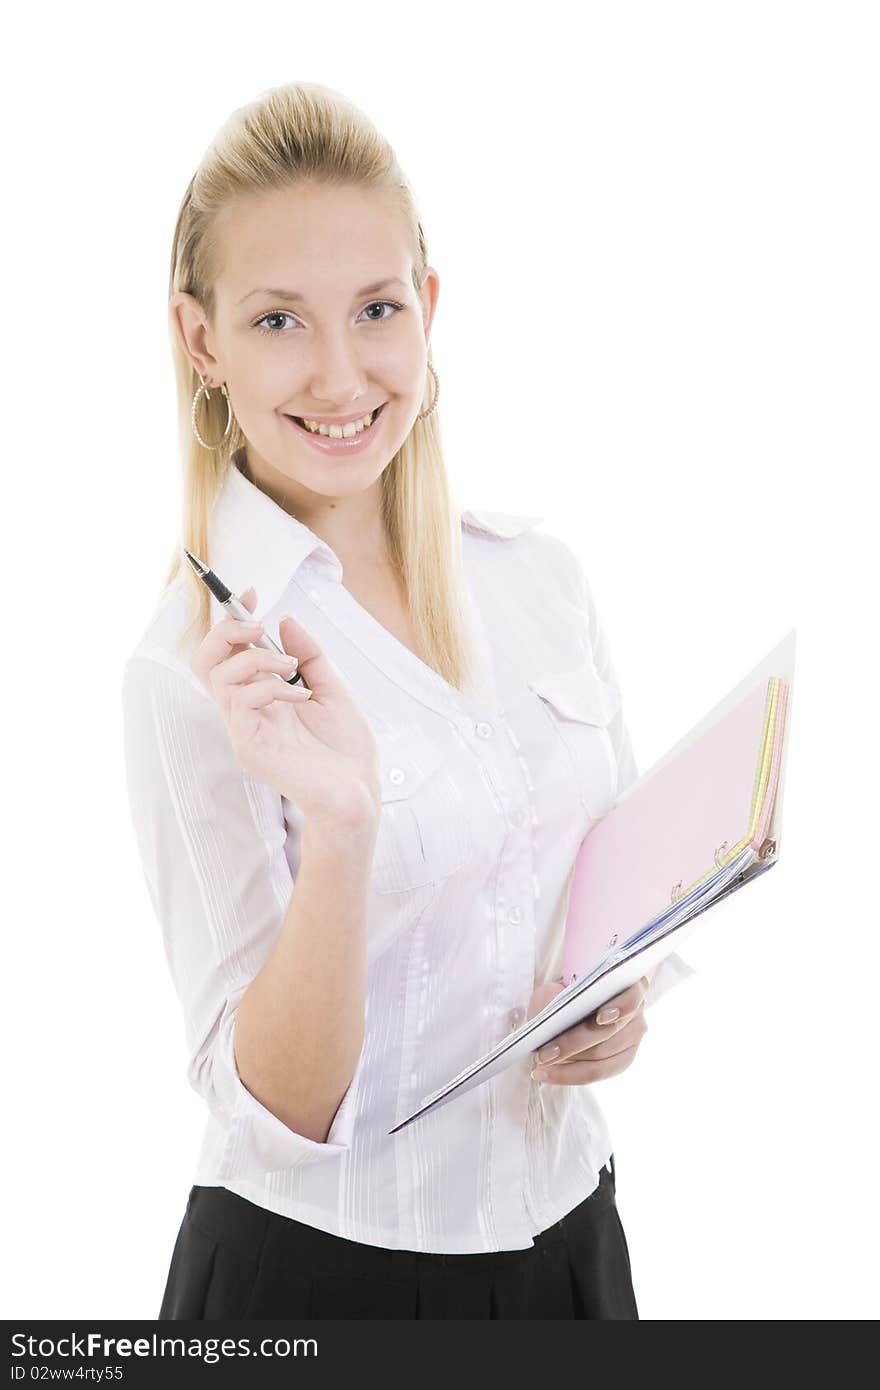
pixel 539 1074
pixel 549 1053
pixel 291 660
pixel 607 1015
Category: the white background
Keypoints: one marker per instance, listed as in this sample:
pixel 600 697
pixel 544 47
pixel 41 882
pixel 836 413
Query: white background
pixel 656 230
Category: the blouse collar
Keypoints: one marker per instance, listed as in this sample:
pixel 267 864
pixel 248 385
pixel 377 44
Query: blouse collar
pixel 255 541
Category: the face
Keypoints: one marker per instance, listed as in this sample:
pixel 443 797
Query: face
pixel 316 316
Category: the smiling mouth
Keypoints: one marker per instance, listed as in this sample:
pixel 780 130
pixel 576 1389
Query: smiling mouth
pixel 324 430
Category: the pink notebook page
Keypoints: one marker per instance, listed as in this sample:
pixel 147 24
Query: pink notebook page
pixel 667 832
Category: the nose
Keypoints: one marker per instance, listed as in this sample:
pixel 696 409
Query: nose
pixel 337 376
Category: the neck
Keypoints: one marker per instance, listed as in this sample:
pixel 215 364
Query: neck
pixel 351 526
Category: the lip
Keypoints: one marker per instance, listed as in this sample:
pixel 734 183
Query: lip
pixel 355 445
pixel 339 419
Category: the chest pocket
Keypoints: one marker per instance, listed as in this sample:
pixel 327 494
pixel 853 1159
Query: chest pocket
pixel 581 706
pixel 424 830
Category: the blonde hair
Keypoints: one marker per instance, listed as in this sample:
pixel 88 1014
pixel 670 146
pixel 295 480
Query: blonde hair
pixel 291 134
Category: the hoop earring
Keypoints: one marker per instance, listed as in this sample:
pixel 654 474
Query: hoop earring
pixel 195 406
pixel 425 413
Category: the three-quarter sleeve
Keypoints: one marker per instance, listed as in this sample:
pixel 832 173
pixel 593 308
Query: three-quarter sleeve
pixel 673 968
pixel 212 846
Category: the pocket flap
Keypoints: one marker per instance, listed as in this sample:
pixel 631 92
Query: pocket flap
pixel 578 694
pixel 407 756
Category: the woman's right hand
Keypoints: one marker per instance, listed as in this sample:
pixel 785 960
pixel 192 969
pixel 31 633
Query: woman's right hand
pixel 317 751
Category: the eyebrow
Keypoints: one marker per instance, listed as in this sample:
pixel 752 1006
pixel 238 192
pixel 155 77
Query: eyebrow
pixel 294 297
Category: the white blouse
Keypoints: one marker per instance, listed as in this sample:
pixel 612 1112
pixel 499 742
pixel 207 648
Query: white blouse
pixel 484 803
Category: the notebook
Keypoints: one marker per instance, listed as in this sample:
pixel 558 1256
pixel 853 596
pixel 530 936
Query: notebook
pixel 700 824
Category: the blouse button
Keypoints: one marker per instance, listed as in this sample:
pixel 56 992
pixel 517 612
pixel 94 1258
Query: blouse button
pixel 396 775
pixel 515 914
pixel 484 729
pixel 516 1017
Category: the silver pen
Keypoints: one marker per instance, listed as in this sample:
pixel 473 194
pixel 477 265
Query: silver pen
pixel 233 604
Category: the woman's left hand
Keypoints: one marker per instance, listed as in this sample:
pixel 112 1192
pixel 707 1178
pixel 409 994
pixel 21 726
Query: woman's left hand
pixel 591 1051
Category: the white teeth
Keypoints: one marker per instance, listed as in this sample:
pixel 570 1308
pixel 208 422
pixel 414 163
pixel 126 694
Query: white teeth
pixel 340 431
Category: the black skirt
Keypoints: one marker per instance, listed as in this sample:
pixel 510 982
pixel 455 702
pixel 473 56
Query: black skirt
pixel 234 1259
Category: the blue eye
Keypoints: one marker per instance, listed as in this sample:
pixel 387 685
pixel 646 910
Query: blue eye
pixel 383 304
pixel 283 314
pixel 276 314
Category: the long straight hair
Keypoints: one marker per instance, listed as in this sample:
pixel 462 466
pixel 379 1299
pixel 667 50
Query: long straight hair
pixel 291 134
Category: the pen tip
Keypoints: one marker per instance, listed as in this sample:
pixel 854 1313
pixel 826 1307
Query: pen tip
pixel 195 562
pixel 208 577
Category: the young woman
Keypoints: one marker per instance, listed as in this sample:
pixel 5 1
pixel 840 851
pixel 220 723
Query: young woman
pixel 363 890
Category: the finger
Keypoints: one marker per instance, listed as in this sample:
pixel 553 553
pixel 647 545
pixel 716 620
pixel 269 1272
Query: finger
pixel 258 694
pixel 228 635
pixel 541 996
pixel 586 1034
pixel 247 664
pixel 316 669
pixel 626 1002
pixel 631 1033
pixel 582 1073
